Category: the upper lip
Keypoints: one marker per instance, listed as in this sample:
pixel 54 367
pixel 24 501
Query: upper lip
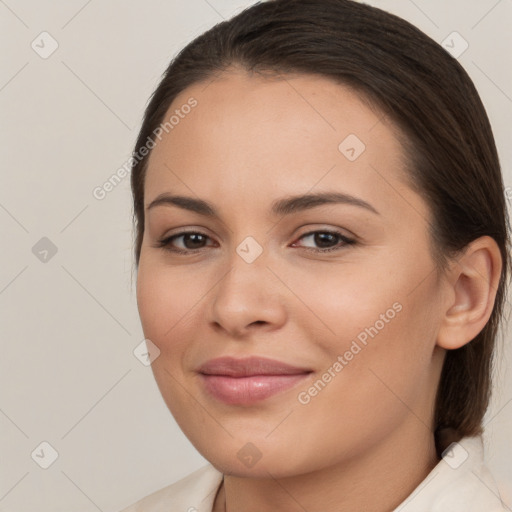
pixel 234 367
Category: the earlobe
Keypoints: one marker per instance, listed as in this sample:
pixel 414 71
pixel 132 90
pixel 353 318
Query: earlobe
pixel 473 282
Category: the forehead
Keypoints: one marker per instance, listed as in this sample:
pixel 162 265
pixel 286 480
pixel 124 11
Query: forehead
pixel 253 137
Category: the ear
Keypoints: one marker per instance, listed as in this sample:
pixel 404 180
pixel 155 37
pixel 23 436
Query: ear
pixel 472 283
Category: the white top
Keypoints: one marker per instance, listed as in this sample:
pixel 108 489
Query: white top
pixel 460 482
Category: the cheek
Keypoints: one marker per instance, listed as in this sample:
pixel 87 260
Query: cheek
pixel 379 377
pixel 345 302
pixel 393 372
pixel 166 299
pixel 380 321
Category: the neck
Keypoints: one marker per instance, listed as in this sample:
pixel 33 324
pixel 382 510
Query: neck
pixel 375 481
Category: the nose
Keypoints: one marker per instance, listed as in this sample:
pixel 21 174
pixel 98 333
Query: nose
pixel 248 298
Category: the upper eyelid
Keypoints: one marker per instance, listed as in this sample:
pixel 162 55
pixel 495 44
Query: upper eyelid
pixel 202 231
pixel 317 227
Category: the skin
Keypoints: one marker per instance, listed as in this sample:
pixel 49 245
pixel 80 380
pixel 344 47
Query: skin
pixel 365 441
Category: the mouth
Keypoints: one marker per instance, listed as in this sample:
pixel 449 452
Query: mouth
pixel 249 380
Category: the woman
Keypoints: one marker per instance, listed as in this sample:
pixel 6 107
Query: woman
pixel 322 253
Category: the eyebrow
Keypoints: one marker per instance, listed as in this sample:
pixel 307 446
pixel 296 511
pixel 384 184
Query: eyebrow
pixel 284 206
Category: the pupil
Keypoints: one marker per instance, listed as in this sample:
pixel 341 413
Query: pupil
pixel 196 238
pixel 321 238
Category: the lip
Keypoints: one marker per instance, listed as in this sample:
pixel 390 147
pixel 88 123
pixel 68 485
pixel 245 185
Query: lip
pixel 248 366
pixel 248 380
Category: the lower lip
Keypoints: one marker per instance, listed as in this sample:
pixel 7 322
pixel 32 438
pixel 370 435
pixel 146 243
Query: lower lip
pixel 248 390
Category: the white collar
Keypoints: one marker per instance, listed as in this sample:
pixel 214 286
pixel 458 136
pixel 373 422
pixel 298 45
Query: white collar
pixel 460 482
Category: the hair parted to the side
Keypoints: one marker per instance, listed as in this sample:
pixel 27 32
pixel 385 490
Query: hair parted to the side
pixel 428 96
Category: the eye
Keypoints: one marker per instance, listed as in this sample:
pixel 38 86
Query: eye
pixel 327 238
pixel 193 241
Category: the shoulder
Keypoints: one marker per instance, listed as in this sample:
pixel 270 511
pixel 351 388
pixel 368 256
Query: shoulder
pixel 193 493
pixel 461 482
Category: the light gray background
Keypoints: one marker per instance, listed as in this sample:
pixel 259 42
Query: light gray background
pixel 69 325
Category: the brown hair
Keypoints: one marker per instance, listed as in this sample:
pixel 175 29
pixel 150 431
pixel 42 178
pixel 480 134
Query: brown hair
pixel 448 140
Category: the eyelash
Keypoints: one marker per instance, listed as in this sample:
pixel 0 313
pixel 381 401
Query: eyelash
pixel 165 243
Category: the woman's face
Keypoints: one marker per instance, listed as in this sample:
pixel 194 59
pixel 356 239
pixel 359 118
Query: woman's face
pixel 358 322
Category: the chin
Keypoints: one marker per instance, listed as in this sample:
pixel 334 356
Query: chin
pixel 259 458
